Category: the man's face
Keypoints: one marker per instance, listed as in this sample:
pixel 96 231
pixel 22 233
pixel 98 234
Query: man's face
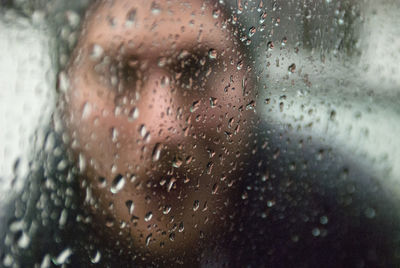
pixel 157 111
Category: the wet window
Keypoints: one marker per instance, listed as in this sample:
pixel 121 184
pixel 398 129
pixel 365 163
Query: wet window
pixel 205 133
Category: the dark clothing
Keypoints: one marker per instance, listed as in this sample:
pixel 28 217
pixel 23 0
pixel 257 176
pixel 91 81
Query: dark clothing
pixel 294 211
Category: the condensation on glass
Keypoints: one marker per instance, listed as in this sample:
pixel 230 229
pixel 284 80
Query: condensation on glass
pixel 199 132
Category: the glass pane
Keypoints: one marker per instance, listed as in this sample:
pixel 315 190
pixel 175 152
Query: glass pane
pixel 225 133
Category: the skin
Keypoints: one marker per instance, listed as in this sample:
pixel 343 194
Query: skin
pixel 136 110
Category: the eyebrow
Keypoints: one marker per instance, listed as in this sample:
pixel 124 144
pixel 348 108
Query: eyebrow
pixel 112 46
pixel 173 55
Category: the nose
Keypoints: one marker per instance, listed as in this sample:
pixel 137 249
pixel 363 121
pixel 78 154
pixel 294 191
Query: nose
pixel 159 107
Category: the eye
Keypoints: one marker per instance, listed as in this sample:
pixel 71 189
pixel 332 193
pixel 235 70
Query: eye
pixel 120 74
pixel 129 75
pixel 192 70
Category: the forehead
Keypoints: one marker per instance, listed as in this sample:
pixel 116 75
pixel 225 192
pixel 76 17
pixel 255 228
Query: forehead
pixel 155 26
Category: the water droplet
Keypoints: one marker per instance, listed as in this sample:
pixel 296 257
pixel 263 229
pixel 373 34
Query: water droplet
pixel 251 105
pixel 177 162
pixel 252 31
pixel 162 62
pixel 284 41
pixel 263 16
pixel 295 238
pixel 165 81
pixel 114 134
pixel 239 7
pixel 166 209
pixel 274 6
pixel 8 260
pixel 195 106
pixel 46 261
pixel 87 110
pixel 196 205
pixel 370 213
pixel 117 184
pixel 62 257
pixel 97 52
pixel 148 239
pixel 210 152
pixel 212 54
pixel 109 222
pixel 213 102
pixel 270 45
pixel 181 227
pixel 332 115
pixel 16 226
pixel 157 152
pixel 201 235
pixel 214 188
pixel 73 18
pixel 292 68
pixel 133 114
pixel 270 203
pixel 24 240
pixel 130 17
pixel 216 13
pixel 130 205
pixel 171 184
pixel 81 163
pixel 63 218
pixel 209 167
pixel 316 232
pixel 239 65
pixel 142 130
pixel 323 220
pixel 172 237
pixel 96 258
pixel 155 8
pixel 260 6
pixel 133 178
pixel 148 216
pixel 183 54
pixel 63 82
pixel 277 21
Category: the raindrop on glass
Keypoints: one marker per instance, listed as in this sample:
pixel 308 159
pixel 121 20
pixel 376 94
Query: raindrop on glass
pixel 117 184
pixel 148 216
pixel 157 152
pixel 292 68
pixel 96 258
pixel 212 54
pixel 130 205
pixel 196 205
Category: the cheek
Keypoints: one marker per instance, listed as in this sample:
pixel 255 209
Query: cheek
pixel 225 96
pixel 92 124
pixel 114 136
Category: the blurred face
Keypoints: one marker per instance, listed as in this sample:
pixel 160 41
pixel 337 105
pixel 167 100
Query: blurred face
pixel 156 109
